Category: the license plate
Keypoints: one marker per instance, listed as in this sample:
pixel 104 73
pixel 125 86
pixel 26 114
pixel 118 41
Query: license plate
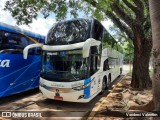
pixel 58 98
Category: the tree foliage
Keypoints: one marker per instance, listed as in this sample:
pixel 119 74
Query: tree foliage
pixel 125 14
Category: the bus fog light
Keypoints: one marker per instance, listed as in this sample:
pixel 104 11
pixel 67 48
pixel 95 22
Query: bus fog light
pixel 81 96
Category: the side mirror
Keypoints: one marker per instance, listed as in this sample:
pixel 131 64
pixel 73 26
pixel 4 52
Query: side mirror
pixel 26 49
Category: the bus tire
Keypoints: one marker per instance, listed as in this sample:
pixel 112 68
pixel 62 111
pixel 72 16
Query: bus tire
pixel 120 71
pixel 104 85
pixel 109 81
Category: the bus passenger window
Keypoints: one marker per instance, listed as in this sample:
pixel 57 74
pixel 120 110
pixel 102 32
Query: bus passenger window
pixel 106 65
pixel 23 42
pixel 94 60
pixel 1 43
pixel 98 31
pixel 11 41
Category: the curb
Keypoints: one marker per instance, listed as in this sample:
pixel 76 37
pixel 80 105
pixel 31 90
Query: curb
pixel 91 116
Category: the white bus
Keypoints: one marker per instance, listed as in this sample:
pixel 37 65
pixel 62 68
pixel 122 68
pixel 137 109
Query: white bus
pixel 79 60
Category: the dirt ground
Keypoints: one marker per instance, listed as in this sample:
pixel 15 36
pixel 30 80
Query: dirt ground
pixel 115 106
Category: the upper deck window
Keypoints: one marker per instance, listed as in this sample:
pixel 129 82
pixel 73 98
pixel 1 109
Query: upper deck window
pixel 69 32
pixel 97 31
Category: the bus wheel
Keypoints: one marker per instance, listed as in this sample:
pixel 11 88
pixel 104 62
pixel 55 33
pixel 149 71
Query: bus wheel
pixel 109 81
pixel 120 71
pixel 103 86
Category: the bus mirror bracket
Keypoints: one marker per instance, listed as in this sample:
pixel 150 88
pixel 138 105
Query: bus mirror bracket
pixel 88 43
pixel 26 49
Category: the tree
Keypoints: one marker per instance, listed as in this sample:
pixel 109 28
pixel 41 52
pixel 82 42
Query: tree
pixel 155 17
pixel 130 16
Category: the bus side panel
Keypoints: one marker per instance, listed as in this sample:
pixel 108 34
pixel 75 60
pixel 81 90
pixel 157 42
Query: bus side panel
pixel 18 75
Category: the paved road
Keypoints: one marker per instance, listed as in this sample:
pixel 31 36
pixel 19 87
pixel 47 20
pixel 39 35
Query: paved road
pixel 125 69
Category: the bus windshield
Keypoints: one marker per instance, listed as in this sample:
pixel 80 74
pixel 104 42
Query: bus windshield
pixel 64 66
pixel 69 32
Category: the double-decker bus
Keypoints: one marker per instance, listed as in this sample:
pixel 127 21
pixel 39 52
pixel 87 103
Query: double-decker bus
pixel 80 59
pixel 16 74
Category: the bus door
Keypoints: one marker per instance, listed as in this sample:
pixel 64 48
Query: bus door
pixel 95 69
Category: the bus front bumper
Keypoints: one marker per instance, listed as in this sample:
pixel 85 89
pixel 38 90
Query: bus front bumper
pixel 63 94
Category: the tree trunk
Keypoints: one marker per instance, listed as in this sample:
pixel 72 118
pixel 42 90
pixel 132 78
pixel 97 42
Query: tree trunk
pixel 142 49
pixel 140 73
pixel 155 22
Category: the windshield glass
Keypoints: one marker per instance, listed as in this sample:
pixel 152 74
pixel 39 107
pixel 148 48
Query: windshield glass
pixel 64 66
pixel 69 32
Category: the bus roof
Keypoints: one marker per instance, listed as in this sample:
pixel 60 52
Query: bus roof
pixel 15 29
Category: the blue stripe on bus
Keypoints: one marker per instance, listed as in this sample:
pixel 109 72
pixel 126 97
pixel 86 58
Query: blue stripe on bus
pixel 87 90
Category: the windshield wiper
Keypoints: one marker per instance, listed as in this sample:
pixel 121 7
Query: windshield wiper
pixel 54 72
pixel 63 71
pixel 70 73
pixel 74 77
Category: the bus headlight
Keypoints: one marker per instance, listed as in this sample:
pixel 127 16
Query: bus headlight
pixel 81 87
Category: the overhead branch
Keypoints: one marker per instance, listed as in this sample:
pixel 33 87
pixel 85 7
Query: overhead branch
pixel 140 7
pixel 127 19
pixel 93 3
pixel 123 27
pixel 132 7
pixel 120 24
pixel 139 4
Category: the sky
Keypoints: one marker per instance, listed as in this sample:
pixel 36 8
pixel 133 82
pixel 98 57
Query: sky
pixel 39 25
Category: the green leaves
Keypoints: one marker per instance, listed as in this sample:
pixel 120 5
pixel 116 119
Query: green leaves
pixel 97 13
pixel 124 18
